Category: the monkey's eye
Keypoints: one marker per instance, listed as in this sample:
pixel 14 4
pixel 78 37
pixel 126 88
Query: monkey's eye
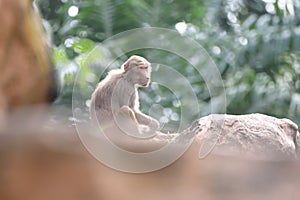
pixel 143 67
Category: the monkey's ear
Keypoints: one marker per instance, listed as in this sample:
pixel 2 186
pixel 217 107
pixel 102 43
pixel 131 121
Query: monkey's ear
pixel 126 64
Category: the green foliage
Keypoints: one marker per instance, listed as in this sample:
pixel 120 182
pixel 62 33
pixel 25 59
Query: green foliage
pixel 261 71
pixel 255 44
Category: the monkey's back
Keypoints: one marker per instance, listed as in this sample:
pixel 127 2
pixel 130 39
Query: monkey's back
pixel 101 104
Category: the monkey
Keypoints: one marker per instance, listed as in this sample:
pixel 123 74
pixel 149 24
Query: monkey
pixel 115 103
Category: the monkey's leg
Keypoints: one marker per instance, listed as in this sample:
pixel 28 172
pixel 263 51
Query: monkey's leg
pixel 127 123
pixel 127 113
pixel 147 120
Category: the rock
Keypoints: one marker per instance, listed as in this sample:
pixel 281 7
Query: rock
pixel 43 163
pixel 27 72
pixel 255 136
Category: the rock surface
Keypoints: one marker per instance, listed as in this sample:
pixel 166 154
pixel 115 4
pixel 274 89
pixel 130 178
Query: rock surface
pixel 255 136
pixel 42 163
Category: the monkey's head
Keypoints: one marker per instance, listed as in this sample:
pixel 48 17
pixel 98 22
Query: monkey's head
pixel 137 71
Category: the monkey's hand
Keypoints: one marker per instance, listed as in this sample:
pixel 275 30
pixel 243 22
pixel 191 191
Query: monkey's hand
pixel 146 132
pixel 143 129
pixel 154 124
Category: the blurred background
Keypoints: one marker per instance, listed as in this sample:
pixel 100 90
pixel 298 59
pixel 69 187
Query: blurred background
pixel 254 43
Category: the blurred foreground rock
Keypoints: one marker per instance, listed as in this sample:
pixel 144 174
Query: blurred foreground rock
pixel 39 162
pixel 27 75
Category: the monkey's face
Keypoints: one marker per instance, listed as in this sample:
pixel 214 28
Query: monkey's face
pixel 142 74
pixel 139 72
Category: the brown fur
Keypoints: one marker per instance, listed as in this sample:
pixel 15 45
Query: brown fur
pixel 26 74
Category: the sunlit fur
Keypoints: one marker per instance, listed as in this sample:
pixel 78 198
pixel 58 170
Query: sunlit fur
pixel 116 95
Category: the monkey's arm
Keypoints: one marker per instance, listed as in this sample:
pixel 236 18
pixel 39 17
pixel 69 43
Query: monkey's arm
pixel 147 120
pixel 126 121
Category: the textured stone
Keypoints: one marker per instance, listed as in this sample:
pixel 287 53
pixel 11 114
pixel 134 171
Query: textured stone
pixel 255 136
